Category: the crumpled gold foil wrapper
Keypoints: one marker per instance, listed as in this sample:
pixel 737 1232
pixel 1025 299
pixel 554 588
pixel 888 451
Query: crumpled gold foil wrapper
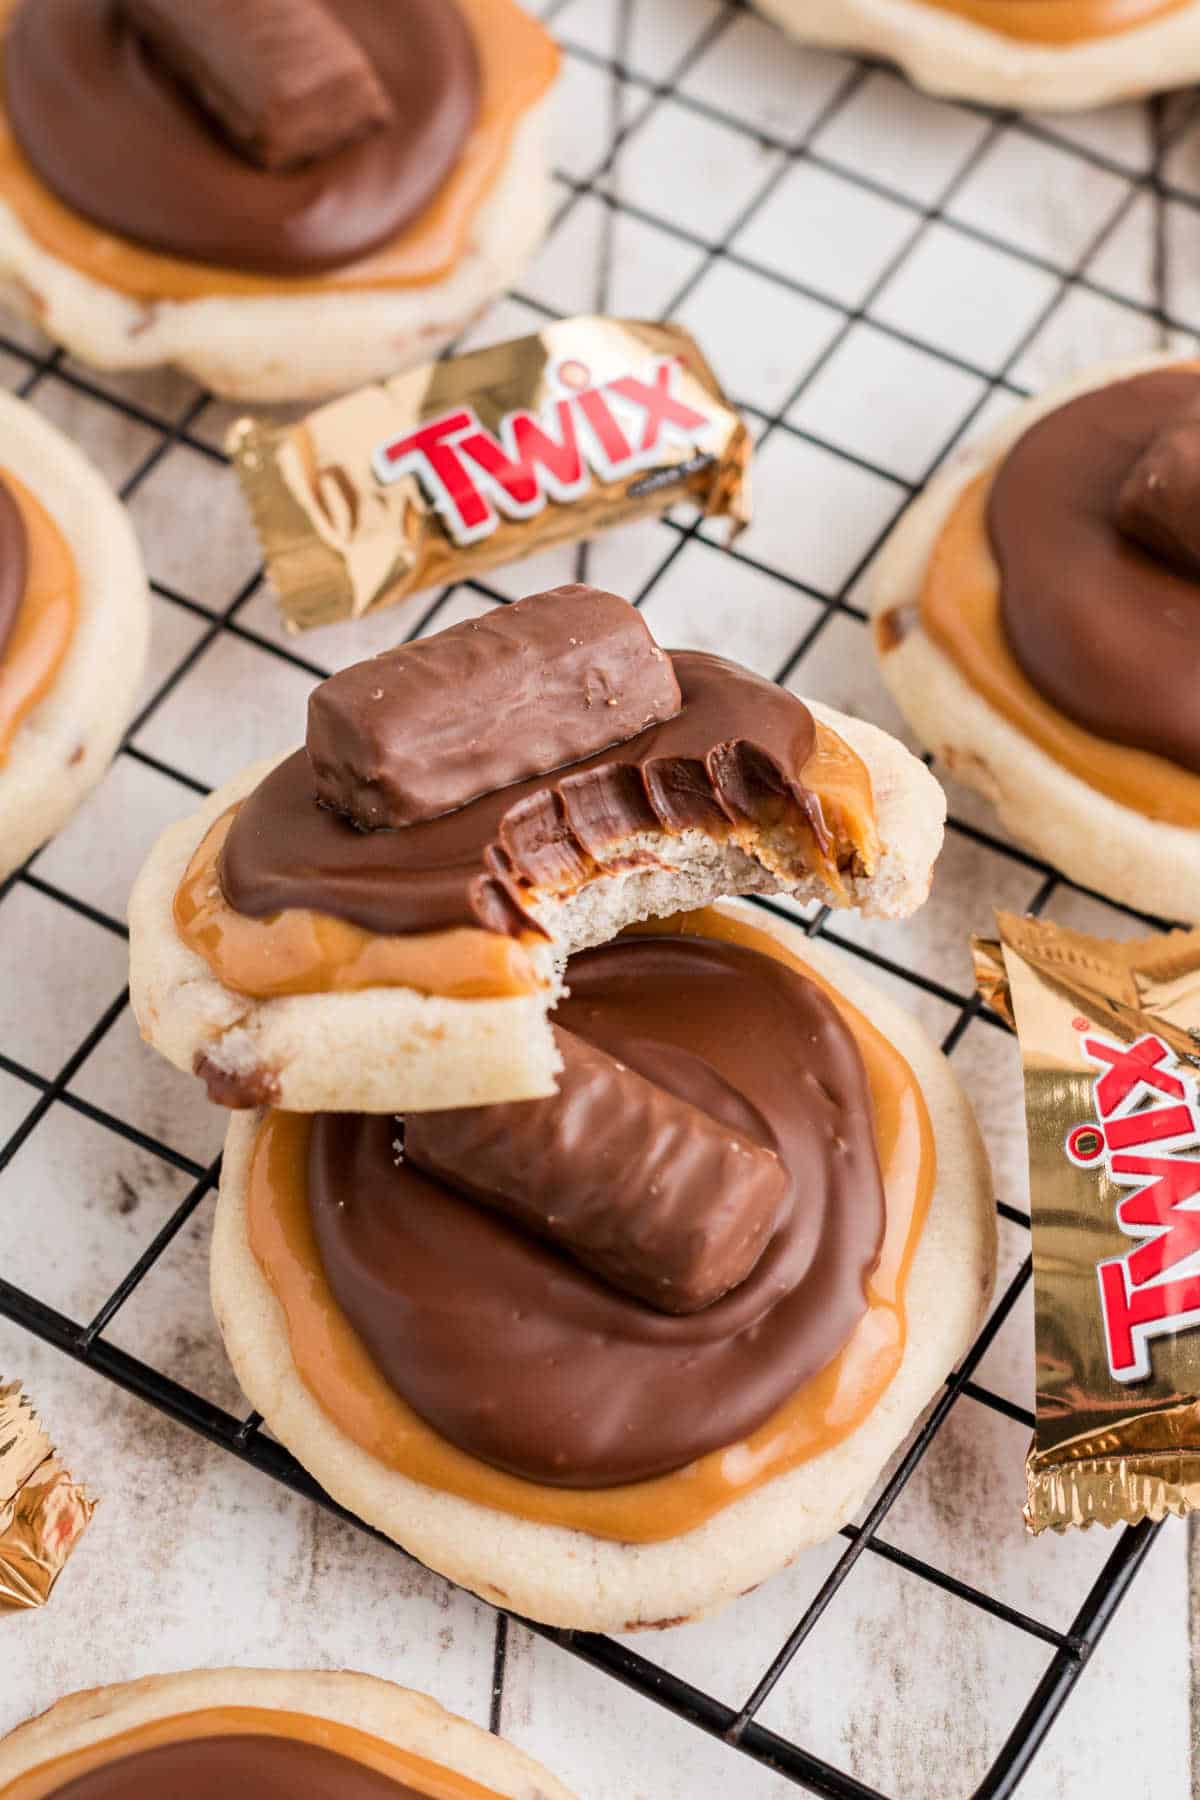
pixel 454 468
pixel 1110 1046
pixel 43 1513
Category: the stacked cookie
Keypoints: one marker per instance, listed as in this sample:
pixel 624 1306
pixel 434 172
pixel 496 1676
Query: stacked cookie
pixel 551 1182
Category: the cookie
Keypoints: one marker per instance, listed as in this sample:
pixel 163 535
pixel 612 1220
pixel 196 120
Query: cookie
pixel 646 1544
pixel 1122 817
pixel 393 1738
pixel 264 254
pixel 1047 55
pixel 74 617
pixel 294 958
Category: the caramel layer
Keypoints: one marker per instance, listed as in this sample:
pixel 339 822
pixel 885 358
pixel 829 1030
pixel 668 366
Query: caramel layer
pixel 518 62
pixel 1060 21
pixel 42 632
pixel 415 1772
pixel 302 952
pixel 298 951
pixel 335 1367
pixel 960 609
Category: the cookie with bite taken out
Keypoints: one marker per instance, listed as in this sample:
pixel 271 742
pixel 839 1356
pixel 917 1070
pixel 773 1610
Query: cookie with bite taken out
pixel 378 922
pixel 612 1357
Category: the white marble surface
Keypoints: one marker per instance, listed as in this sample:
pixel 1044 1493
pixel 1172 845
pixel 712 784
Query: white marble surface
pixel 876 275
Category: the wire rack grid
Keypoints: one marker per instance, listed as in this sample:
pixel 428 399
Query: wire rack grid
pixel 815 284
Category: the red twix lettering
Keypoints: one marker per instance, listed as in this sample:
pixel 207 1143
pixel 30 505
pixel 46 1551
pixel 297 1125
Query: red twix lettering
pixel 611 429
pixel 1147 1138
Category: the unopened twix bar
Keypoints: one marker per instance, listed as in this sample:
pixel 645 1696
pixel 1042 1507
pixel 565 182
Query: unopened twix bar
pixel 454 468
pixel 1110 1045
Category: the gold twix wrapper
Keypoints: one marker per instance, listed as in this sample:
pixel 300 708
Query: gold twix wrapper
pixel 453 468
pixel 43 1513
pixel 1110 1044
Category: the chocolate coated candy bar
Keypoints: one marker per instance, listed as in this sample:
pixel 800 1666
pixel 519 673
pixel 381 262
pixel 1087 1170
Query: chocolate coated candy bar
pixel 284 79
pixel 43 1512
pixel 1159 501
pixel 643 1188
pixel 421 730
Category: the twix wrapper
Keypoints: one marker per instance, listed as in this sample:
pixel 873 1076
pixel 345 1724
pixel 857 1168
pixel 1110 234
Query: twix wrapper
pixel 454 468
pixel 1110 1045
pixel 43 1513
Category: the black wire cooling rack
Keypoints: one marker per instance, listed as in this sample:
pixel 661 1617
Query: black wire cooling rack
pixel 635 84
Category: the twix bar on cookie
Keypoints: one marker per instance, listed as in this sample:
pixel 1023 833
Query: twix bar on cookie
pixel 456 467
pixel 1110 1045
pixel 43 1513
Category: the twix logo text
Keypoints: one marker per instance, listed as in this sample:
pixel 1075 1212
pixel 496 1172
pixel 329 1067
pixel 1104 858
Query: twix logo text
pixel 1146 1136
pixel 610 430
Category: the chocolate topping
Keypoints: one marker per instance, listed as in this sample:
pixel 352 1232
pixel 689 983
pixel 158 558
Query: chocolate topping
pixel 284 79
pixel 119 140
pixel 1159 502
pixel 735 753
pixel 236 1767
pixel 14 562
pixel 1104 630
pixel 425 728
pixel 518 1355
pixel 641 1187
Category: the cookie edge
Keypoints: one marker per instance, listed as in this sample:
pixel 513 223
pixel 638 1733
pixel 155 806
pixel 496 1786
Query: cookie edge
pixel 955 58
pixel 402 1716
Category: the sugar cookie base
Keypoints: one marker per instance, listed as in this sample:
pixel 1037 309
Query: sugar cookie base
pixel 569 1578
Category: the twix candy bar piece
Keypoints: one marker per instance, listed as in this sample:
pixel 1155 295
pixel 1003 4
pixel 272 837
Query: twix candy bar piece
pixel 43 1513
pixel 652 1194
pixel 1110 1045
pixel 451 469
pixel 284 79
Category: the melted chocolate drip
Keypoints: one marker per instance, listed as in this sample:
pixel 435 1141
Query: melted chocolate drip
pixel 120 141
pixel 522 1358
pixel 1104 630
pixel 14 563
pixel 735 752
pixel 228 1766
